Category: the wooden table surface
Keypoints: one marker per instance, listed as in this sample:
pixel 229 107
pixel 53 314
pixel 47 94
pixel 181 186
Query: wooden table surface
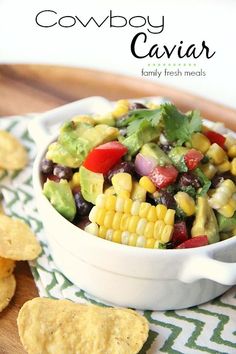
pixel 36 88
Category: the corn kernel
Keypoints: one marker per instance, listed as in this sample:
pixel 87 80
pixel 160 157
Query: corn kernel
pixel 209 170
pixel 228 183
pixel 135 208
pixel 120 204
pixel 125 237
pixel 110 203
pixel 232 203
pixel 143 210
pixel 157 244
pixel 121 108
pixel 75 181
pixel 147 184
pixel 138 192
pixel 185 202
pixel 108 219
pixel 150 242
pixel 109 234
pixel 141 241
pixel 232 151
pixel 158 229
pixel 233 166
pixel 93 214
pixel 100 216
pixel 224 166
pixel 102 232
pixel 133 222
pixel 229 141
pixel 124 222
pixel 152 215
pixel 127 205
pixel 124 194
pixel 148 231
pixel 167 233
pixel 122 182
pixel 227 211
pixel 116 236
pixel 169 217
pixel 116 221
pixel 161 211
pixel 101 201
pixel 132 240
pixel 92 229
pixel 200 142
pixel 217 154
pixel 110 191
pixel 141 226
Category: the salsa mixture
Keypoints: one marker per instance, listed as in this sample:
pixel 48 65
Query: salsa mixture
pixel 144 175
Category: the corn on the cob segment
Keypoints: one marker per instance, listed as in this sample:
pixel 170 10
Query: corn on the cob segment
pixel 221 198
pixel 131 222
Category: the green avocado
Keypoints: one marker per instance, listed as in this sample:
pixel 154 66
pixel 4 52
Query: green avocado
pixel 176 155
pixel 76 140
pixel 205 222
pixel 153 150
pixel 91 184
pixel 226 224
pixel 105 119
pixel 61 197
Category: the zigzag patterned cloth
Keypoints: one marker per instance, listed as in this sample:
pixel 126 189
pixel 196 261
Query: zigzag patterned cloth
pixel 208 328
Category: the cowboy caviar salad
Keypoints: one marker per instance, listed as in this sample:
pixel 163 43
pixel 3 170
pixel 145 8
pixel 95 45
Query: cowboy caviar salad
pixel 144 175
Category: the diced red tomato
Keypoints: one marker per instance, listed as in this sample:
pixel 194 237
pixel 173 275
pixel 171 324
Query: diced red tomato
pixel 163 176
pixel 197 241
pixel 215 137
pixel 180 234
pixel 104 157
pixel 192 158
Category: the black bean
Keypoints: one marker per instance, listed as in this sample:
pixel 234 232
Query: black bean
pixel 83 207
pixel 166 147
pixel 217 179
pixel 167 199
pixel 63 172
pixel 121 167
pixel 46 166
pixel 189 179
pixel 137 105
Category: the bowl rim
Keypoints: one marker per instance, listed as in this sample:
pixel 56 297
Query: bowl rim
pixel 208 249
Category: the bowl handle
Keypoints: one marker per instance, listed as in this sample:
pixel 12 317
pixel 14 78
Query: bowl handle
pixel 42 127
pixel 205 267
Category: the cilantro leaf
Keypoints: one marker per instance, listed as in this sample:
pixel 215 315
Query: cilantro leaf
pixel 178 126
pixel 153 116
pixel 205 182
pixel 190 190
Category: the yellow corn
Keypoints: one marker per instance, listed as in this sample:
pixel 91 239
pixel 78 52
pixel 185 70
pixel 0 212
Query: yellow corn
pixel 216 154
pixel 209 170
pixel 83 119
pixel 232 151
pixel 75 181
pixel 110 191
pixel 122 182
pixel 224 166
pixel 222 194
pixel 229 141
pixel 124 224
pixel 138 192
pixel 161 211
pixel 147 184
pixel 200 142
pixel 233 166
pixel 227 210
pixel 185 202
pixel 124 194
pixel 121 108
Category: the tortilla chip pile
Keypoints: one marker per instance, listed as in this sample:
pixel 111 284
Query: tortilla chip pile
pixel 17 242
pixel 61 326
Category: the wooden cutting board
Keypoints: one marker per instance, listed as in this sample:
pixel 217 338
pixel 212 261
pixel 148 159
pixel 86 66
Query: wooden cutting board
pixel 36 88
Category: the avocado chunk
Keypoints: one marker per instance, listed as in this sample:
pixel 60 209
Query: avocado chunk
pixel 61 197
pixel 205 222
pixel 76 140
pixel 177 157
pixel 105 119
pixel 91 184
pixel 226 224
pixel 153 150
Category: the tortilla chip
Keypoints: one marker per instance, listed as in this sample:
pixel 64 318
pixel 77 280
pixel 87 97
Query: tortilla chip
pixel 6 267
pixel 13 155
pixel 7 290
pixel 61 326
pixel 17 241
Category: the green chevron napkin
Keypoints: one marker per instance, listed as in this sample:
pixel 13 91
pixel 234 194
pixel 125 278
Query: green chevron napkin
pixel 208 328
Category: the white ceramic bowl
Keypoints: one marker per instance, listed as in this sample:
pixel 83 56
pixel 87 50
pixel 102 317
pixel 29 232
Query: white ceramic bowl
pixel 127 276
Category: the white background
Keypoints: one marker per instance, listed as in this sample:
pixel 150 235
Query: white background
pixel 22 41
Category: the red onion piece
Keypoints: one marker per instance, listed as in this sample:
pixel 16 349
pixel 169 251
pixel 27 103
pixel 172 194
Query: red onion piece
pixel 144 164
